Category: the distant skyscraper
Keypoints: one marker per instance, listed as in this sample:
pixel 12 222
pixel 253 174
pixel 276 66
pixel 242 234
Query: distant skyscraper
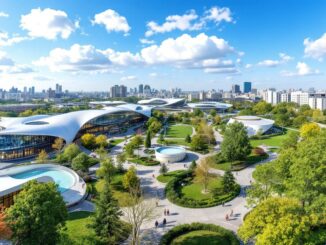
pixel 141 88
pixel 247 87
pixel 117 91
pixel 236 89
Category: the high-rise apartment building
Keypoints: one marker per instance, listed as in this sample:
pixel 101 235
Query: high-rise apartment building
pixel 271 96
pixel 247 87
pixel 141 88
pixel 300 97
pixel 117 91
pixel 236 89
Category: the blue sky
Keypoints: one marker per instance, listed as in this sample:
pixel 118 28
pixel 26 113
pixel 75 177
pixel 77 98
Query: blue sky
pixel 194 45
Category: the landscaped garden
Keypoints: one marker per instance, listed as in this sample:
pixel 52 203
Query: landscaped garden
pixel 272 141
pixel 179 131
pixel 198 233
pixel 146 161
pixel 165 178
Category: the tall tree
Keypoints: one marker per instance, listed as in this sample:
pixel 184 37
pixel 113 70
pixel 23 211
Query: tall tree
pixel 309 130
pixel 228 181
pixel 58 144
pixel 101 141
pixel 42 157
pixel 163 169
pixel 137 141
pixel 106 170
pixel 121 159
pixel 236 144
pixel 130 180
pixel 106 221
pixel 37 215
pixel 5 231
pixel 88 140
pixel 148 140
pixel 202 174
pixel 82 162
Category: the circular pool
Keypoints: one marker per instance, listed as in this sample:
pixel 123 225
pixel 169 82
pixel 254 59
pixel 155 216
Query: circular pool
pixel 167 154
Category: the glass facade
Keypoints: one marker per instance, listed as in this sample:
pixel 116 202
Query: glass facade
pixel 112 123
pixel 23 146
pixel 8 200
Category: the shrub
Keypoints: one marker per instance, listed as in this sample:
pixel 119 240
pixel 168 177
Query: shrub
pixel 258 151
pixel 180 230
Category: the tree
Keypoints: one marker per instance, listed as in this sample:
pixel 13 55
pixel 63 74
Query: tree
pixel 38 214
pixel 317 115
pixel 188 139
pixel 101 141
pixel 130 180
pixel 197 112
pixel 82 162
pixel 106 170
pixel 129 149
pixel 206 132
pixel 236 144
pixel 163 169
pixel 212 112
pixel 106 220
pixel 291 140
pixel 228 181
pixel 202 174
pixel 217 120
pixel 138 211
pixel 198 142
pixel 299 121
pixel 70 152
pixel 137 141
pixel 148 139
pixel 101 153
pixel 88 141
pixel 42 157
pixel 161 139
pixel 192 165
pixel 262 108
pixel 121 159
pixel 5 231
pixel 279 221
pixel 58 144
pixel 309 130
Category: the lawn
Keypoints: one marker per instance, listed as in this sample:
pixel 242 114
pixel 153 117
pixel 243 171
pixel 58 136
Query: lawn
pixel 193 190
pixel 179 131
pixel 169 176
pixel 113 143
pixel 239 165
pixel 177 142
pixel 200 237
pixel 274 141
pixel 77 227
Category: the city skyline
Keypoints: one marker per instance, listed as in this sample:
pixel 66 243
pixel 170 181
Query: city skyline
pixel 193 46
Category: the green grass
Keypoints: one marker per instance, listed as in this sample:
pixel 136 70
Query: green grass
pixel 179 131
pixel 146 161
pixel 115 142
pixel 177 142
pixel 200 237
pixel 194 190
pixel 239 165
pixel 169 176
pixel 77 226
pixel 274 141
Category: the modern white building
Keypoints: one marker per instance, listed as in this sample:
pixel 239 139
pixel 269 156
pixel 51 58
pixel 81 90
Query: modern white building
pixel 24 137
pixel 271 96
pixel 162 102
pixel 208 105
pixel 317 101
pixel 300 97
pixel 253 124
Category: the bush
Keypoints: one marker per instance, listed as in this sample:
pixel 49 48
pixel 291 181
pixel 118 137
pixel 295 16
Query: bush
pixel 146 161
pixel 173 193
pixel 180 230
pixel 258 151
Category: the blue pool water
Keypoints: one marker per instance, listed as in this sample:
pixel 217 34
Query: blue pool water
pixel 170 150
pixel 62 178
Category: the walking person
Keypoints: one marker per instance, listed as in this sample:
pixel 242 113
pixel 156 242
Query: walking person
pixel 164 221
pixel 164 212
pixel 167 212
pixel 226 217
pixel 231 214
pixel 156 224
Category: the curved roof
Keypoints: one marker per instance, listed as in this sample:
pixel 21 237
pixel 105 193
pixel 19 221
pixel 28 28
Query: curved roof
pixel 209 104
pixel 253 124
pixel 65 125
pixel 162 102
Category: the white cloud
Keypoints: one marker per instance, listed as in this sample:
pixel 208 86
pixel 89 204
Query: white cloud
pixel 8 66
pixel 48 24
pixel 112 21
pixel 128 78
pixel 6 40
pixel 187 49
pixel 248 66
pixel 302 69
pixel 186 52
pixel 222 70
pixel 218 15
pixel 153 74
pixel 4 15
pixel 315 49
pixel 189 21
pixel 284 58
pixel 174 22
pixel 146 41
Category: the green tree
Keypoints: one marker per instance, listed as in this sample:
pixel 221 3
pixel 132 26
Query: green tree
pixel 192 165
pixel 161 139
pixel 236 144
pixel 106 221
pixel 129 149
pixel 42 157
pixel 197 112
pixel 188 139
pixel 299 121
pixel 37 215
pixel 212 112
pixel 163 169
pixel 148 139
pixel 88 141
pixel 70 152
pixel 291 140
pixel 262 108
pixel 279 221
pixel 198 142
pixel 130 180
pixel 137 141
pixel 82 162
pixel 121 159
pixel 202 174
pixel 228 181
pixel 309 130
pixel 106 170
pixel 217 120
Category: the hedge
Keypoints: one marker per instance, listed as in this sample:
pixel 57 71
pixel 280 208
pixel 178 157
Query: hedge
pixel 146 161
pixel 174 196
pixel 186 228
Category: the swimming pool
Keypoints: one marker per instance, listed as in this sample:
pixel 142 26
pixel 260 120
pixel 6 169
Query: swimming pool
pixel 63 179
pixel 169 154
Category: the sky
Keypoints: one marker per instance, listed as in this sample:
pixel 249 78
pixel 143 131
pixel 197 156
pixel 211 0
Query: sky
pixel 193 45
